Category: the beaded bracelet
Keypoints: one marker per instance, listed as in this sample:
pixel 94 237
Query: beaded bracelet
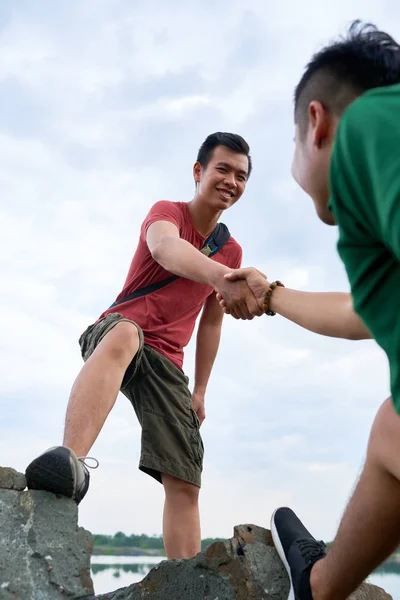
pixel 267 297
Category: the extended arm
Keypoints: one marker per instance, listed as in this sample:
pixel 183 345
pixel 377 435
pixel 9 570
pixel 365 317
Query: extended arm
pixel 326 313
pixel 180 257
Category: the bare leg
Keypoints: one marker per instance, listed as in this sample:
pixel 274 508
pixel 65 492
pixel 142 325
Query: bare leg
pixel 370 528
pixel 96 388
pixel 181 523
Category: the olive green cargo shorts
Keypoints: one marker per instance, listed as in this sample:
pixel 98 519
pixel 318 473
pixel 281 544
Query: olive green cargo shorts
pixel 159 393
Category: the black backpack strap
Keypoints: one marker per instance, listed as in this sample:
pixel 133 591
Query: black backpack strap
pixel 216 240
pixel 146 290
pixel 213 244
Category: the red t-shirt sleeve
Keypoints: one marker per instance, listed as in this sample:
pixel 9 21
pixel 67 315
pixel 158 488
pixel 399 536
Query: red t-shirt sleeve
pixel 163 211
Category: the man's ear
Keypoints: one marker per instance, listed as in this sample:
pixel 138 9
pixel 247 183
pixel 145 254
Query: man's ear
pixel 197 171
pixel 320 120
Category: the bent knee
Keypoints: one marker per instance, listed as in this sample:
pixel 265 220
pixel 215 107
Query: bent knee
pixel 384 442
pixel 385 419
pixel 122 342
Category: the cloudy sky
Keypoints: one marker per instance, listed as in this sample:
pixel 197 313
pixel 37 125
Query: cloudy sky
pixel 103 105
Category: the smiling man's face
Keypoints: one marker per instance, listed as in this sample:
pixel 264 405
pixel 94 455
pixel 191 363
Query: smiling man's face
pixel 223 180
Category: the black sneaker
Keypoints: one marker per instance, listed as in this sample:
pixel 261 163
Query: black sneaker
pixel 60 471
pixel 298 551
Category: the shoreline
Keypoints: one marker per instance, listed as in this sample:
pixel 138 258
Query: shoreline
pixel 119 551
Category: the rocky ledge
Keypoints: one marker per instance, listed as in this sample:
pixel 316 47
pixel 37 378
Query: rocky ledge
pixel 44 555
pixel 246 567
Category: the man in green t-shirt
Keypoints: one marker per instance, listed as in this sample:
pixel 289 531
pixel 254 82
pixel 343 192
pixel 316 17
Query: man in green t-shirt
pixel 347 158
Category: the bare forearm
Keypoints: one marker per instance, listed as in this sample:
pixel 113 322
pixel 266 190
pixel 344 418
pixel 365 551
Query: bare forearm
pixel 326 313
pixel 208 338
pixel 181 258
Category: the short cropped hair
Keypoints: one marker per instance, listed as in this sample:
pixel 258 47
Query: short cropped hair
pixel 363 59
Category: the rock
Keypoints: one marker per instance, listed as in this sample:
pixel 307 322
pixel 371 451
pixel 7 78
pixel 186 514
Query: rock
pixel 44 555
pixel 246 567
pixel 10 479
pixel 370 592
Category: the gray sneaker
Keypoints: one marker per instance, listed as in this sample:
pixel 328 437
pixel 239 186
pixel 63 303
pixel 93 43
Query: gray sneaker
pixel 60 471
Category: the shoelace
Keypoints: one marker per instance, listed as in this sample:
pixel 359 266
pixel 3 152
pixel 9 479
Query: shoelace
pixel 311 550
pixel 82 460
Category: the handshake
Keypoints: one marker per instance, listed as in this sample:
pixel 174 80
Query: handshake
pixel 241 293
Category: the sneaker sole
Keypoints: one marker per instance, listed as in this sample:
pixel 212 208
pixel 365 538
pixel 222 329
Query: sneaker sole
pixel 282 556
pixel 51 473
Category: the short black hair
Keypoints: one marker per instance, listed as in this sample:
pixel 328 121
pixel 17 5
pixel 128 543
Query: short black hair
pixel 233 141
pixel 363 59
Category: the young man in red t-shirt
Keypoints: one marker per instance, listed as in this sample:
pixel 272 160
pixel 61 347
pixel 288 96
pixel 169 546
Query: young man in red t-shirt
pixel 137 346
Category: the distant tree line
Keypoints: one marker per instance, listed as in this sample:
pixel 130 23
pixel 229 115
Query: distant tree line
pixel 154 542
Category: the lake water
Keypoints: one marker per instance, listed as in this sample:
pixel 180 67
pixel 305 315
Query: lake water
pixel 112 572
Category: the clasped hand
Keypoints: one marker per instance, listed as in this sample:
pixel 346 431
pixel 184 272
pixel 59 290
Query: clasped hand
pixel 241 293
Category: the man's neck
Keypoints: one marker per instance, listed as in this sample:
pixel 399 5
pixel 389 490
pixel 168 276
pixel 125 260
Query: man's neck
pixel 204 217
